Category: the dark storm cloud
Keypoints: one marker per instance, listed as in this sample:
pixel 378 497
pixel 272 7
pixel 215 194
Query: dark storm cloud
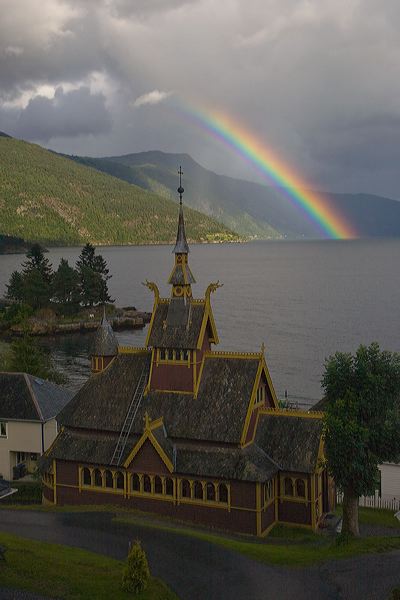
pixel 68 114
pixel 317 81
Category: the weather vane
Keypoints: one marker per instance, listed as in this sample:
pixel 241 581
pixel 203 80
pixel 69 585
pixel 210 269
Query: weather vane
pixel 180 188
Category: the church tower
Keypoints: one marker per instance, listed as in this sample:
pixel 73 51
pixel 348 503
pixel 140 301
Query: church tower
pixel 105 346
pixel 181 276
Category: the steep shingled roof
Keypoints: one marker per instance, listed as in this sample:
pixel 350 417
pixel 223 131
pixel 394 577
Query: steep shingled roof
pixel 25 397
pixel 217 414
pixel 183 330
pixel 292 442
pixel 105 341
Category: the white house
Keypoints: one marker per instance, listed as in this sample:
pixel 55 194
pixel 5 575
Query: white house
pixel 390 481
pixel 28 409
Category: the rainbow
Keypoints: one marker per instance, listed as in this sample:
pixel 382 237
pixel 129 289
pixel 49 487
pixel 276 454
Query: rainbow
pixel 328 219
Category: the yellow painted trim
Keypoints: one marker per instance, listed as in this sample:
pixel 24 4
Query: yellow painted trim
pixel 148 435
pixel 269 382
pixel 104 490
pixel 198 380
pixel 250 407
pixel 147 388
pixel 313 515
pixel 55 481
pixel 258 508
pixel 266 531
pixel 283 412
pixel 153 314
pixel 174 392
pixel 132 350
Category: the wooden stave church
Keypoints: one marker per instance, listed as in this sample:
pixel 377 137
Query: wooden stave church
pixel 178 429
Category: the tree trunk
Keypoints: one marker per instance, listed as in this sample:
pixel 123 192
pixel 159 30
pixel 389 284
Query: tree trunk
pixel 350 513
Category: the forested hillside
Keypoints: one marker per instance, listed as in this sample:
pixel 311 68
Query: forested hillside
pixel 47 198
pixel 251 209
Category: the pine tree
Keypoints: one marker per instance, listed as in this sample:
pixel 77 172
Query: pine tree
pixel 37 260
pixel 25 356
pixel 37 290
pixel 15 287
pixel 65 287
pixel 94 274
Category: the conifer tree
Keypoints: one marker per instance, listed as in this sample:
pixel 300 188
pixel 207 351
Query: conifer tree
pixel 25 356
pixel 15 287
pixel 94 274
pixel 65 287
pixel 37 260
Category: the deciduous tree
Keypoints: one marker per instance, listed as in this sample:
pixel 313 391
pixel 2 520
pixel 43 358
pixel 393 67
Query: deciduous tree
pixel 362 422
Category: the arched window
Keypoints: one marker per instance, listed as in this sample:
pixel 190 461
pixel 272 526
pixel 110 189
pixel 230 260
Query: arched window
pixel 108 476
pixel 119 478
pixel 268 491
pixel 169 487
pixel 162 354
pixel 158 485
pixel 98 479
pixel 198 490
pixel 147 484
pixel 87 479
pixel 288 486
pixel 135 483
pixel 300 488
pixel 185 488
pixel 223 493
pixel 210 492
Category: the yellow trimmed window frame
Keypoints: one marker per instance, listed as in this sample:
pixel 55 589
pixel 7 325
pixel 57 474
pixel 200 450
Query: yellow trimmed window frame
pixel 98 479
pixel 294 488
pixel 173 355
pixel 145 485
pixel 268 493
pixel 204 493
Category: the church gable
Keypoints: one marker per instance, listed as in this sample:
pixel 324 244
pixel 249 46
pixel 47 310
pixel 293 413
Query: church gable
pixel 152 453
pixel 147 460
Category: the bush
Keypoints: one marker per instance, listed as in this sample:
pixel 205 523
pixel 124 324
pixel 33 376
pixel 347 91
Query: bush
pixel 137 574
pixel 28 493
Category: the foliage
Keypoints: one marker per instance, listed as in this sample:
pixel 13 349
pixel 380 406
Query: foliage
pixel 362 420
pixel 15 287
pixel 15 314
pixel 50 199
pixel 36 261
pixel 65 288
pixel 94 274
pixel 381 517
pixel 28 493
pixel 25 356
pixel 68 573
pixel 137 574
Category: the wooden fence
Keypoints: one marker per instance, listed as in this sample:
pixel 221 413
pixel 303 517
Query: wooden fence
pixel 374 502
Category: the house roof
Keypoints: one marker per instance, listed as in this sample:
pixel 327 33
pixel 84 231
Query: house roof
pixel 291 442
pixel 176 324
pixel 105 341
pixel 25 397
pixel 216 414
pixel 245 464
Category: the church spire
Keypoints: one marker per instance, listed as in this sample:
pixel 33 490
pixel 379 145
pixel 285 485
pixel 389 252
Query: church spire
pixel 181 277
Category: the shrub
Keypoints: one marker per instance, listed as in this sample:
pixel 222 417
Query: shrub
pixel 137 574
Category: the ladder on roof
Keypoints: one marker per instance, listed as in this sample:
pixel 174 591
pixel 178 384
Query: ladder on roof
pixel 130 416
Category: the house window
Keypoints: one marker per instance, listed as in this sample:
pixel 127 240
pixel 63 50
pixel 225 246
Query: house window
pixel 135 483
pixel 3 429
pixel 210 492
pixel 260 395
pixel 98 479
pixel 169 487
pixel 158 487
pixel 120 480
pixel 223 493
pixel 86 476
pixel 288 486
pixel 198 490
pixel 21 457
pixel 268 491
pixel 185 487
pixel 300 488
pixel 109 479
pixel 147 484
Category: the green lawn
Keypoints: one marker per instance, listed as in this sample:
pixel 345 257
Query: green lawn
pixel 62 572
pixel 308 549
pixel 375 516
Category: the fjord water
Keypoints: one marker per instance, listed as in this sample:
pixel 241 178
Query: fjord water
pixel 303 299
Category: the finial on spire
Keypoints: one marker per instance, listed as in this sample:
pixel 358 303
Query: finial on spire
pixel 180 188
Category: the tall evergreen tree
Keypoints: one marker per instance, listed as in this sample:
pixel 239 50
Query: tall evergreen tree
pixel 25 356
pixel 37 260
pixel 37 290
pixel 65 287
pixel 15 287
pixel 94 275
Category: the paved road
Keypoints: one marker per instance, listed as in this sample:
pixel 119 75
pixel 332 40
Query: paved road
pixel 198 570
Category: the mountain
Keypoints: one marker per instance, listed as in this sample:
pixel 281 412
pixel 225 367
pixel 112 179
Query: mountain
pixel 48 198
pixel 251 209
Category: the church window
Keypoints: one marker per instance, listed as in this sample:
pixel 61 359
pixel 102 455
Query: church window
pixel 198 490
pixel 162 354
pixel 288 483
pixel 120 480
pixel 268 491
pixel 87 478
pixel 210 491
pixel 169 487
pixel 185 355
pixel 185 488
pixel 147 484
pixel 135 483
pixel 223 493
pixel 98 479
pixel 300 488
pixel 158 486
pixel 109 479
pixel 167 354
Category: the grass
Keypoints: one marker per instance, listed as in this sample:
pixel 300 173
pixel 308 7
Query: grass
pixel 375 516
pixel 294 550
pixel 70 573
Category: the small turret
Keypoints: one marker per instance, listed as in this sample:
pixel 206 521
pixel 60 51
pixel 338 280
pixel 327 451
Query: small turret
pixel 105 346
pixel 181 277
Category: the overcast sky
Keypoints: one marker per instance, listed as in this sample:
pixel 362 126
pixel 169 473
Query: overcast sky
pixel 317 80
